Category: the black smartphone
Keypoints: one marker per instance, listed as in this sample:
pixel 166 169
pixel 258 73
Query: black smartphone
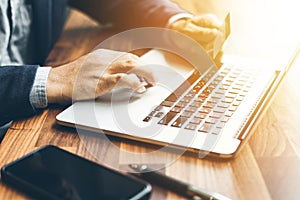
pixel 53 173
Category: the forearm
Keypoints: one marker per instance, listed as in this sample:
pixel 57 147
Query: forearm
pixel 129 13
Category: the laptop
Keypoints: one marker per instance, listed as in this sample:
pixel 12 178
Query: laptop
pixel 210 112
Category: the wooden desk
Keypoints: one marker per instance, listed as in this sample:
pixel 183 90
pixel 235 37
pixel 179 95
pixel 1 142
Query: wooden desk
pixel 267 166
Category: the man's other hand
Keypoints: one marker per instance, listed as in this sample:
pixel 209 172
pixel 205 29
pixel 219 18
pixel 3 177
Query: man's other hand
pixel 204 29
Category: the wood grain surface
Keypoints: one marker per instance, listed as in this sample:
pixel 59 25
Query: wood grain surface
pixel 268 164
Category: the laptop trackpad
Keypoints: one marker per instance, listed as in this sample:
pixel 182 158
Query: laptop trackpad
pixel 120 96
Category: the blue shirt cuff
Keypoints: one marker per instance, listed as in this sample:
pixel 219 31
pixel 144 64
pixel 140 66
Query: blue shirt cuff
pixel 38 96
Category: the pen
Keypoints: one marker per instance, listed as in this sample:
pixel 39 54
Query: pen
pixel 174 185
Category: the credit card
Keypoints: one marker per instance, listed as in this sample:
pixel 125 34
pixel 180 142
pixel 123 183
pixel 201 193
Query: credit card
pixel 221 38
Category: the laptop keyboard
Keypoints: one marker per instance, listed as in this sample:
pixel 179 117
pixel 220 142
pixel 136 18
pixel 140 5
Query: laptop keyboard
pixel 205 104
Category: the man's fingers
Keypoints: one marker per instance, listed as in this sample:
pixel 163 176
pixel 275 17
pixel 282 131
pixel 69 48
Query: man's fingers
pixel 144 74
pixel 209 21
pixel 116 81
pixel 124 64
pixel 129 81
pixel 132 64
pixel 201 34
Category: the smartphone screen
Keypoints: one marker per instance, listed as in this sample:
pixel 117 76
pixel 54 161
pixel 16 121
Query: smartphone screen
pixel 53 173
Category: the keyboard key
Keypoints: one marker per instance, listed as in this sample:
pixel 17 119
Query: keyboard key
pixel 147 119
pixel 239 98
pixel 167 103
pixel 236 87
pixel 200 115
pixel 230 80
pixel 248 86
pixel 216 131
pixel 230 95
pixel 197 88
pixel 211 87
pixel 196 104
pixel 228 114
pixel 176 109
pixel 243 94
pixel 172 97
pixel 186 114
pixel 191 127
pixel 152 113
pixel 227 100
pixel 220 92
pixel 158 108
pixel 179 122
pixel 201 83
pixel 226 83
pixel 225 119
pixel 233 76
pixel 214 83
pixel 232 108
pixel 223 105
pixel 190 95
pixel 205 79
pixel 196 121
pixel 209 105
pixel 193 92
pixel 226 70
pixel 191 109
pixel 241 84
pixel 205 128
pixel 216 115
pixel 207 91
pixel 220 125
pixel 246 77
pixel 219 110
pixel 214 101
pixel 186 100
pixel 219 78
pixel 223 87
pixel 203 95
pixel 210 121
pixel 159 114
pixel 200 100
pixel 234 91
pixel 204 110
pixel 181 104
pixel 217 96
pixel 236 103
pixel 243 80
pixel 167 118
pixel 246 90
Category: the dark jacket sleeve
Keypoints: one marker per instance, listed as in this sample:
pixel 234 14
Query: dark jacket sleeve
pixel 130 13
pixel 48 18
pixel 16 83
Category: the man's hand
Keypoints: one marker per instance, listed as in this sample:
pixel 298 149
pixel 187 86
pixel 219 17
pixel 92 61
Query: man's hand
pixel 204 29
pixel 96 74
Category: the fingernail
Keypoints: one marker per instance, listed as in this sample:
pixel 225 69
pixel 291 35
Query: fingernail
pixel 141 89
